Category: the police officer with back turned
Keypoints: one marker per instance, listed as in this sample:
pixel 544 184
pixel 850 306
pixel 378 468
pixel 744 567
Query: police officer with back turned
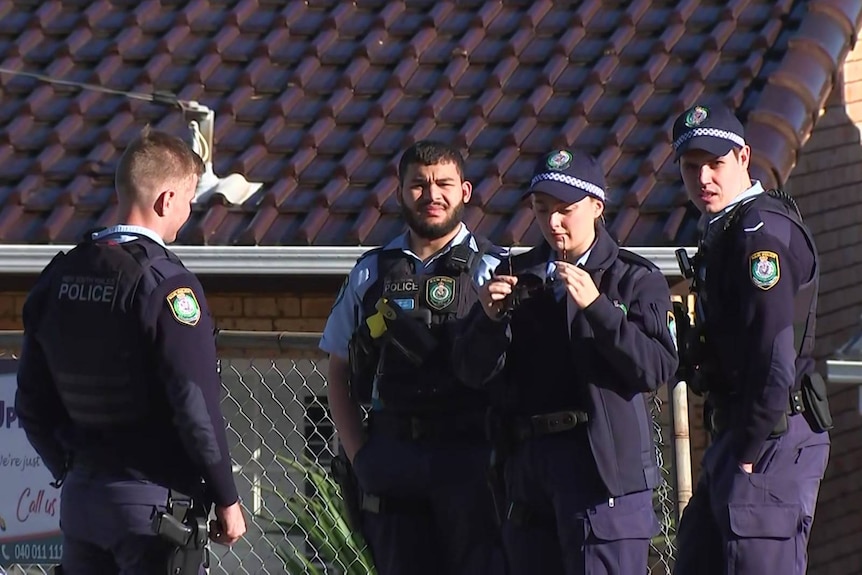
pixel 424 505
pixel 568 339
pixel 750 352
pixel 118 389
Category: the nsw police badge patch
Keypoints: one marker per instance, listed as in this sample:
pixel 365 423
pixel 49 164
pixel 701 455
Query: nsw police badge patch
pixel 440 292
pixel 184 305
pixel 765 271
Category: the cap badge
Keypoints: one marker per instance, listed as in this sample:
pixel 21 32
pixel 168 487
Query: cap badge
pixel 696 116
pixel 559 160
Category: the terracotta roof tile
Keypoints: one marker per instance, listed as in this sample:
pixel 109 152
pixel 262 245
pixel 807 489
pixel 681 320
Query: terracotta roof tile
pixel 316 100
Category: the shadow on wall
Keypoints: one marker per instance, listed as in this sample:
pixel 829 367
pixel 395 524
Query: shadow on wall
pixel 826 183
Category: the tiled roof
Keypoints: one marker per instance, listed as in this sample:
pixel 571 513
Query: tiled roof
pixel 316 100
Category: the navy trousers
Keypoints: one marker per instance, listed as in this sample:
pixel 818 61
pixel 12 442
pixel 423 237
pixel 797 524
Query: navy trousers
pixel 753 524
pixel 560 519
pixel 106 525
pixel 436 515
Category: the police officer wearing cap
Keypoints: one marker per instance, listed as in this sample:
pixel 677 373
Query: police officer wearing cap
pixel 755 276
pixel 421 463
pixel 118 389
pixel 569 339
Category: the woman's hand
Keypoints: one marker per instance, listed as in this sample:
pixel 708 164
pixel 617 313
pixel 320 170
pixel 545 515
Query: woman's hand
pixel 578 283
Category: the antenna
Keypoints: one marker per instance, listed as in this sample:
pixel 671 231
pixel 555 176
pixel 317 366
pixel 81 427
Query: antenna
pixel 201 123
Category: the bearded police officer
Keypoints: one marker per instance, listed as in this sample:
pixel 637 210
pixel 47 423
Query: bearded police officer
pixel 118 389
pixel 755 276
pixel 421 466
pixel 569 338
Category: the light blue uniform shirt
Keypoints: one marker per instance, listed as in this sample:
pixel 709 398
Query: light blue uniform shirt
pixel 128 233
pixel 347 311
pixel 755 190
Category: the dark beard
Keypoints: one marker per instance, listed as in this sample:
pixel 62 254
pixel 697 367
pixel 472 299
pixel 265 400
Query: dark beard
pixel 432 231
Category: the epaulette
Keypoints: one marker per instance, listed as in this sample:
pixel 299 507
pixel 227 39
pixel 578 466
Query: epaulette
pixel 368 253
pixel 632 258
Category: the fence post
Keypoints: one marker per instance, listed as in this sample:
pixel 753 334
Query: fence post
pixel 678 398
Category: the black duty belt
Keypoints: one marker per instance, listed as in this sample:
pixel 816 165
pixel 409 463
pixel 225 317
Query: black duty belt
pixel 429 426
pixel 548 423
pixel 718 416
pixel 389 505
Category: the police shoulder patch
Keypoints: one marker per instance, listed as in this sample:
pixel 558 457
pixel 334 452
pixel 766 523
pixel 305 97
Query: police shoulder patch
pixel 184 306
pixel 765 269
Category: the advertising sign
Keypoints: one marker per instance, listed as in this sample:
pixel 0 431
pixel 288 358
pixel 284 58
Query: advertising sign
pixel 29 506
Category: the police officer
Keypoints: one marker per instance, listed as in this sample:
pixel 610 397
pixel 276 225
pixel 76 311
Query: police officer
pixel 756 281
pixel 570 338
pixel 118 389
pixel 422 464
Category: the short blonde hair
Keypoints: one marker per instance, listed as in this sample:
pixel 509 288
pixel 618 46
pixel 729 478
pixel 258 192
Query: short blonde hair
pixel 153 159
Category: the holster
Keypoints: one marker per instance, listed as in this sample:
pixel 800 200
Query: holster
pixel 363 359
pixel 816 402
pixel 351 495
pixel 184 525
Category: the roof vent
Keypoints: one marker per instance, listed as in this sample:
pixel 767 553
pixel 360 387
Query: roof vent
pixel 234 187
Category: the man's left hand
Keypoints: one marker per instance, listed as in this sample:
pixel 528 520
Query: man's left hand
pixel 747 467
pixel 579 284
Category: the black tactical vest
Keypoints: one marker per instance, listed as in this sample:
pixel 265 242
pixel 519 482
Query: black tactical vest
pixel 714 301
pixel 90 328
pixel 432 300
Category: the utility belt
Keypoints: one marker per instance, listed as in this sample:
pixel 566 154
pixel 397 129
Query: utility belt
pixel 507 430
pixel 356 501
pixel 809 400
pixel 533 426
pixel 184 525
pixel 380 504
pixel 431 426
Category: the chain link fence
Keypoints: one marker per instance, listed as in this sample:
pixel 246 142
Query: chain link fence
pixel 282 441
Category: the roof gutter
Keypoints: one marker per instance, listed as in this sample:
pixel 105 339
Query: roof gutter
pixel 846 372
pixel 267 260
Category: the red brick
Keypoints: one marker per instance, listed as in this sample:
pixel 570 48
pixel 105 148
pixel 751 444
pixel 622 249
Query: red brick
pixel 288 306
pixel 259 306
pixel 827 159
pixel 853 89
pixel 7 306
pixel 304 324
pixel 245 323
pixel 20 298
pixel 838 133
pixel 225 305
pixel 317 306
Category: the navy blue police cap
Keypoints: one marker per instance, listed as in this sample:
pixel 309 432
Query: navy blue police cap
pixel 569 176
pixel 712 128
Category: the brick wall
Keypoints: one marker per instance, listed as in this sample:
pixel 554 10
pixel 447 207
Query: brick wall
pixel 242 311
pixel 826 183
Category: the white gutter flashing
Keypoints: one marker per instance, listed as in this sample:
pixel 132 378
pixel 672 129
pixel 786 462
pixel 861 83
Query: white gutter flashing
pixel 846 372
pixel 266 260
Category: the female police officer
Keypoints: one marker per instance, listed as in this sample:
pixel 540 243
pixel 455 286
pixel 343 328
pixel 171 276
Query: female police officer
pixel 568 342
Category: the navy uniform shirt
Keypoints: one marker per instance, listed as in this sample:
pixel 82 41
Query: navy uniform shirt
pixel 749 311
pixel 347 311
pixel 183 441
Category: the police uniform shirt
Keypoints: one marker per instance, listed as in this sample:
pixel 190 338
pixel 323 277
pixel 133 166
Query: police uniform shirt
pixel 710 223
pixel 765 262
pixel 176 319
pixel 347 311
